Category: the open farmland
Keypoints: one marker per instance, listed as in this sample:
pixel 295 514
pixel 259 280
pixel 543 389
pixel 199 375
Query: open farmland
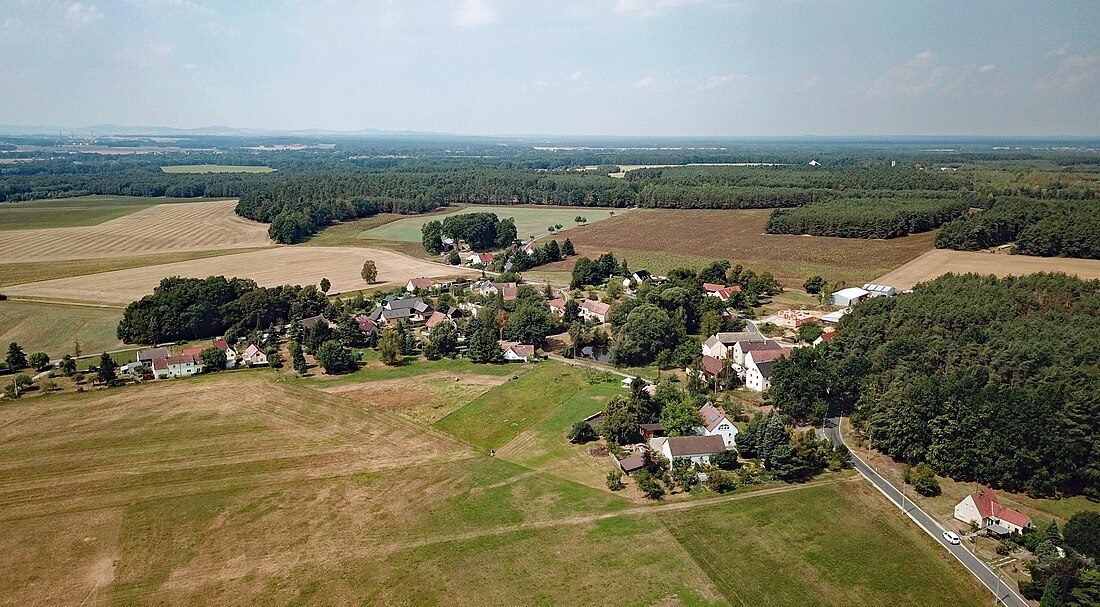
pixel 270 267
pixel 52 328
pixel 215 168
pixel 661 239
pixel 162 228
pixel 530 220
pixel 243 488
pixel 941 261
pixel 79 211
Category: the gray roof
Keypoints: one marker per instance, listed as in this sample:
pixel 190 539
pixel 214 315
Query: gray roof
pixel 731 338
pixel 632 463
pixel 765 368
pixel 397 304
pixel 152 354
pixel 696 445
pixel 756 345
pixel 312 320
pixel 399 313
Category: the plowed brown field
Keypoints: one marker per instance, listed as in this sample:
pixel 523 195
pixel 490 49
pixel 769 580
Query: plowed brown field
pixel 164 228
pixel 269 267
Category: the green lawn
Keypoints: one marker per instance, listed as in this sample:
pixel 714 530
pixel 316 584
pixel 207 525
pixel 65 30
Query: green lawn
pixel 500 415
pixel 52 328
pixel 410 366
pixel 79 211
pixel 530 220
pixel 215 168
pixel 831 545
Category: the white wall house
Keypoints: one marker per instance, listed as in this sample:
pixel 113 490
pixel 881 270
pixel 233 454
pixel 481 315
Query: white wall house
pixel 715 423
pixel 253 356
pixel 720 344
pixel 176 366
pixel 698 449
pixel 985 510
pixel 741 349
pixel 758 368
pixel 595 309
pixel 849 296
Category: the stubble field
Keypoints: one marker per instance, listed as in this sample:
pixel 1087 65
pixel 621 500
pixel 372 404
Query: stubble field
pixel 661 239
pixel 166 228
pixel 941 261
pixel 53 329
pixel 269 267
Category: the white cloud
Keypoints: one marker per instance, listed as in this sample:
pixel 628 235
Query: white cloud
pixel 474 13
pixel 646 82
pixel 1074 72
pixel 186 6
pixel 715 82
pixel 919 75
pixel 83 14
pixel 576 77
pixel 985 69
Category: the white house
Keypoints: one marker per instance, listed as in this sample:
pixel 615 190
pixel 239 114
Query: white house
pixel 230 354
pixel 715 423
pixel 557 306
pixel 517 352
pixel 720 344
pixel 595 309
pixel 421 283
pixel 984 510
pixel 742 348
pixel 253 356
pixel 849 296
pixel 476 259
pixel 696 448
pixel 176 366
pixel 758 368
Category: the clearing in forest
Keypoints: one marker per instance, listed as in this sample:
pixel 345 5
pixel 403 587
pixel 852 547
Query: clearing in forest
pixel 163 228
pixel 269 268
pixel 215 168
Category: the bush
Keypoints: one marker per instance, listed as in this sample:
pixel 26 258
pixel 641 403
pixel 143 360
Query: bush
pixel 648 484
pixel 720 481
pixel 1083 533
pixel 334 358
pixel 923 480
pixel 582 432
pixel 726 460
pixel 615 480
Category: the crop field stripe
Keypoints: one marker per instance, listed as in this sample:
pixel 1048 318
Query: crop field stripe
pixel 530 220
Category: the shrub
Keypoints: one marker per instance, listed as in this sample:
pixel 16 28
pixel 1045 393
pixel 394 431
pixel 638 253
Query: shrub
pixel 582 432
pixel 648 484
pixel 615 480
pixel 720 481
pixel 726 460
pixel 923 480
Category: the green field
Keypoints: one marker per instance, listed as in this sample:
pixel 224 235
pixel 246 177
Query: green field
pixel 530 220
pixel 215 168
pixel 245 488
pixel 52 328
pixel 80 211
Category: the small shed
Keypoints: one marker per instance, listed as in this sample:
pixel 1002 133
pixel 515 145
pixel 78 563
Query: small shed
pixel 649 431
pixel 633 463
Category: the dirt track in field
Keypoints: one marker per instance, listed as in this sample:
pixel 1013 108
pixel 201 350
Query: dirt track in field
pixel 941 261
pixel 164 228
pixel 270 267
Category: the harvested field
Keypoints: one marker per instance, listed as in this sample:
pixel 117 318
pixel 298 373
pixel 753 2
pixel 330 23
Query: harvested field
pixel 271 267
pixel 423 398
pixel 215 168
pixel 531 220
pixel 77 211
pixel 162 228
pixel 941 261
pixel 660 239
pixel 52 328
pixel 34 271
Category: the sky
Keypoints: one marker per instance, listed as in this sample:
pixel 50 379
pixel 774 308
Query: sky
pixel 563 67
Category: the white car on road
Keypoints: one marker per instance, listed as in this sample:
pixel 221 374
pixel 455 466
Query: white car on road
pixel 951 537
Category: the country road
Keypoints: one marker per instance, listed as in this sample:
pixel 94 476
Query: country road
pixel 1001 590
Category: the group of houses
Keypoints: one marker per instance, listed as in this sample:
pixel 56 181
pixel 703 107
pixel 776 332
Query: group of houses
pixel 750 355
pixel 715 434
pixel 162 364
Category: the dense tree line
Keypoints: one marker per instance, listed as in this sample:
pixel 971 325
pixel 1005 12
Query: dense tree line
pixel 984 379
pixel 1045 229
pixel 193 308
pixel 869 216
pixel 481 231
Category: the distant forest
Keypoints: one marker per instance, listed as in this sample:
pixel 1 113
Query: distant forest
pixel 1069 228
pixel 985 379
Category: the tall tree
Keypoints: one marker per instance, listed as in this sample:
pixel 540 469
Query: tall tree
pixel 369 272
pixel 620 423
pixel 106 373
pixel 16 358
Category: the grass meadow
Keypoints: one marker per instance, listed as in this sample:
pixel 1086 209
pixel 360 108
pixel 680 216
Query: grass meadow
pixel 530 220
pixel 52 328
pixel 74 212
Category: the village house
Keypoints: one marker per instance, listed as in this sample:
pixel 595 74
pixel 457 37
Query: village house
pixel 826 337
pixel 176 366
pixel 743 347
pixel 722 292
pixel 420 283
pixel 849 296
pixel 515 352
pixel 147 356
pixel 557 306
pixel 194 351
pixel 230 352
pixel 595 309
pixel 758 368
pixel 479 259
pixel 435 320
pixel 367 326
pixel 253 356
pixel 715 423
pixel 649 431
pixel 719 345
pixel 507 290
pixel 984 510
pixel 698 449
pixel 307 323
pixel 709 367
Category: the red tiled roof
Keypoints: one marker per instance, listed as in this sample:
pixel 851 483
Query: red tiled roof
pixel 596 307
pixel 221 344
pixel 517 348
pixel 366 325
pixel 711 365
pixel 557 303
pixel 711 416
pixel 421 282
pixel 178 360
pixel 436 318
pixel 160 363
pixel 483 257
pixel 252 350
pixel 989 506
pixel 763 356
pixel 710 287
pixel 191 351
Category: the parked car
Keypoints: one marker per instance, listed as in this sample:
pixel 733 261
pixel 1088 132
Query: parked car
pixel 951 537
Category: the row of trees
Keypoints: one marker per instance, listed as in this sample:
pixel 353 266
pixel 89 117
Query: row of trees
pixel 869 216
pixel 481 231
pixel 1045 229
pixel 194 308
pixel 984 379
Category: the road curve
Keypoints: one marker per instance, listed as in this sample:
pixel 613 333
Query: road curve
pixel 1001 590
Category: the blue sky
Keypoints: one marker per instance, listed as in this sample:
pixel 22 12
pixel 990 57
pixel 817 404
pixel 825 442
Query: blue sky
pixel 583 67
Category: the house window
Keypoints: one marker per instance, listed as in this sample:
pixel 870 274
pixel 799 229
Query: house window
pixel 724 427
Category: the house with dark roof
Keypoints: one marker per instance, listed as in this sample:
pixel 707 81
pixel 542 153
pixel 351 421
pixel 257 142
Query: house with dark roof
pixel 758 368
pixel 698 449
pixel 367 326
pixel 719 345
pixel 649 431
pixel 985 510
pixel 307 323
pixel 147 356
pixel 632 463
pixel 743 347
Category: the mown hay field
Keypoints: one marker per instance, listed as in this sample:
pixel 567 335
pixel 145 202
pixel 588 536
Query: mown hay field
pixel 78 211
pixel 269 267
pixel 162 228
pixel 53 329
pixel 215 168
pixel 941 261
pixel 661 239
pixel 530 220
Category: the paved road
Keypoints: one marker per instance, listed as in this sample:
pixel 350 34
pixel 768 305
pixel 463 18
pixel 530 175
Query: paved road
pixel 1005 594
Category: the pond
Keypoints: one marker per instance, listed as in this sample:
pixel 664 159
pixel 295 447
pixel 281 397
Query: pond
pixel 601 355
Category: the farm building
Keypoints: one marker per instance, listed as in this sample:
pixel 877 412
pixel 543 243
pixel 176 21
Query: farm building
pixel 719 344
pixel 834 317
pixel 649 431
pixel 146 357
pixel 742 348
pixel 984 510
pixel 849 296
pixel 880 290
pixel 196 351
pixel 794 319
pixel 709 366
pixel 632 463
pixel 758 368
pixel 696 448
